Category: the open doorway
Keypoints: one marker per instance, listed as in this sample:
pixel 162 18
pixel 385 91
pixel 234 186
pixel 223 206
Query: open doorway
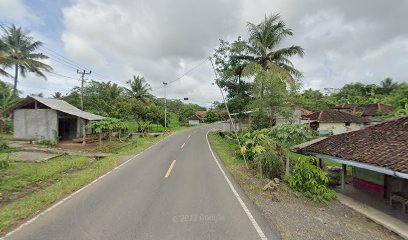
pixel 67 128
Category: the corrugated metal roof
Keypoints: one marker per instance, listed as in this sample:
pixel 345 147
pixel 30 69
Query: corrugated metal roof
pixel 58 105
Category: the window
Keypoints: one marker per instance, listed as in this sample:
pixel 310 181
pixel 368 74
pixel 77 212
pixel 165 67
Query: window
pixel 347 124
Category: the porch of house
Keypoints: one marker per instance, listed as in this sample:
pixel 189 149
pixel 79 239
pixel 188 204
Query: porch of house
pixel 376 201
pixel 376 208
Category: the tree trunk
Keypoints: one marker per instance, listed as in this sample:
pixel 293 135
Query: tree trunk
pixel 100 138
pixel 110 135
pixel 287 162
pixel 15 79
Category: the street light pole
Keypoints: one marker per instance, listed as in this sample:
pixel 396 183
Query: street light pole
pixel 165 106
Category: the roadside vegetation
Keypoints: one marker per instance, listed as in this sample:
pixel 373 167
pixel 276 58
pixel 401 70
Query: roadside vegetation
pixel 27 188
pixel 132 114
pixel 294 213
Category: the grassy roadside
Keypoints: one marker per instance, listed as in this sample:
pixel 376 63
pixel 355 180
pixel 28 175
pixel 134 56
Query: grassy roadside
pixel 226 151
pixel 35 186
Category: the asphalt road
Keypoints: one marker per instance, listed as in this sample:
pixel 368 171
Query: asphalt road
pixel 154 197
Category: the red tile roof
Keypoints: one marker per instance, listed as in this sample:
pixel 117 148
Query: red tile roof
pixel 336 116
pixel 375 109
pixel 201 114
pixel 383 145
pixel 304 112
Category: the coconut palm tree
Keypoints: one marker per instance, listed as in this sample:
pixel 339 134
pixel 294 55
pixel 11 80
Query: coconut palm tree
pixel 3 60
pixel 57 95
pixel 20 49
pixel 262 43
pixel 139 89
pixel 387 85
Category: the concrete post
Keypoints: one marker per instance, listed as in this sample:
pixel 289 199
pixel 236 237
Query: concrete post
pixel 343 177
pixel 83 131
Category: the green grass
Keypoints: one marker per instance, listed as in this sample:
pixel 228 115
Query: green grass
pixel 38 185
pixel 226 151
pixel 11 214
pixel 139 144
pixel 20 176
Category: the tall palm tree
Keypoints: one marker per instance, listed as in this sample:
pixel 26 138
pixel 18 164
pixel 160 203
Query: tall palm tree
pixel 57 95
pixel 263 41
pixel 139 89
pixel 3 60
pixel 387 85
pixel 20 52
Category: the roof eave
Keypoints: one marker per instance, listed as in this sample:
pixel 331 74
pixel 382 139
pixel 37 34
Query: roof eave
pixel 355 164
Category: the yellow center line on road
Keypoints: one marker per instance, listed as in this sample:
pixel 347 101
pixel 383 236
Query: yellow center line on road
pixel 170 168
pixel 182 145
pixel 188 136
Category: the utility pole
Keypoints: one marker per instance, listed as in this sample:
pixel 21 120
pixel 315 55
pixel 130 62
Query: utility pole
pixel 83 73
pixel 229 114
pixel 165 106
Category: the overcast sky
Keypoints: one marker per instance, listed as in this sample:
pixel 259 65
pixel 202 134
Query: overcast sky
pixel 345 41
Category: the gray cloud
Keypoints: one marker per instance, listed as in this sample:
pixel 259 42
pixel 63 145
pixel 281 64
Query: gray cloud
pixel 345 41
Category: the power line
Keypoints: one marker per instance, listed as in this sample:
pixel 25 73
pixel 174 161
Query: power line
pixel 66 61
pixel 62 75
pixel 63 58
pixel 184 74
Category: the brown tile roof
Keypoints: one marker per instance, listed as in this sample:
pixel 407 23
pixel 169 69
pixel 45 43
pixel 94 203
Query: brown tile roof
pixel 194 117
pixel 383 145
pixel 336 116
pixel 375 109
pixel 201 114
pixel 304 112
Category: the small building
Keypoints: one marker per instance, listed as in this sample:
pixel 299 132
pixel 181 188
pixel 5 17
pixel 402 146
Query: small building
pixel 202 115
pixel 331 122
pixel 194 120
pixel 378 155
pixel 48 119
pixel 197 118
pixel 374 111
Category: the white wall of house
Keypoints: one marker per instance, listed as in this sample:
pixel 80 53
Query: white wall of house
pixel 41 124
pixel 294 119
pixel 338 128
pixel 193 122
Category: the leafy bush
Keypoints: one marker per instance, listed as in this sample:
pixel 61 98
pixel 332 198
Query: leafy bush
pixel 260 120
pixel 212 116
pixel 310 180
pixel 269 163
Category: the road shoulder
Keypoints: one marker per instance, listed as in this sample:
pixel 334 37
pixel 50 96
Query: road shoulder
pixel 296 217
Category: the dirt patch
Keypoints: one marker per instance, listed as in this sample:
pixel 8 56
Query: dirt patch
pixel 298 217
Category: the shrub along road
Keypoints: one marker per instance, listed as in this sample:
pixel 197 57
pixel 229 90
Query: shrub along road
pixel 174 190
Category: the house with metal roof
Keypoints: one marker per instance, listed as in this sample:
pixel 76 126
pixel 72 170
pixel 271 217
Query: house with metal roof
pixel 48 119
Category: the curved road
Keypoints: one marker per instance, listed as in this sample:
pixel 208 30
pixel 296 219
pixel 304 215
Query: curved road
pixel 154 197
